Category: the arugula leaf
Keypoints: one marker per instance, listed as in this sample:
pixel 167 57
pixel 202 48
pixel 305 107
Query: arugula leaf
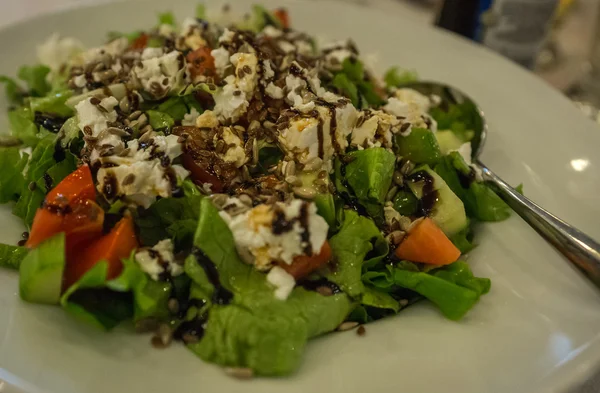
pixel 14 93
pixel 395 77
pixel 12 256
pixel 201 11
pixel 113 35
pixel 12 180
pixel 35 78
pixel 57 172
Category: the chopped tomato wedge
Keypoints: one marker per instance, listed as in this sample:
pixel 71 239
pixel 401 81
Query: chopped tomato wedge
pixel 303 265
pixel 284 18
pixel 116 245
pixel 200 175
pixel 83 222
pixel 201 62
pixel 141 42
pixel 78 186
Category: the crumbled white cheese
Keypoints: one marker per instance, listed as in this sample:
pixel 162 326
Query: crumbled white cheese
pixel 227 36
pixel 283 282
pixel 113 48
pixel 151 53
pixel 286 47
pixel 409 112
pixel 334 59
pixel 390 214
pixel 411 96
pixel 375 131
pixel 80 81
pixel 159 260
pixel 138 176
pixel 189 119
pixel 158 73
pixel 274 91
pixel 166 30
pixel 301 138
pixel 253 232
pixel 235 147
pixel 221 56
pixel 96 119
pixel 230 101
pixel 271 31
pixel 57 51
pixel 246 73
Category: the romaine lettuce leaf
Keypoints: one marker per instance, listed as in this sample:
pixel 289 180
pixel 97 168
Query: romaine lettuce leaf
pixel 14 93
pixel 35 78
pixel 357 238
pixel 12 256
pixel 23 127
pixel 41 271
pixel 12 180
pixel 453 289
pixel 159 120
pixel 255 329
pixel 53 103
pixel 166 18
pixel 91 301
pixel 395 77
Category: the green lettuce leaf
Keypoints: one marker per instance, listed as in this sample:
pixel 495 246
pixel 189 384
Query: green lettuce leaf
pixel 395 77
pixel 166 18
pixel 326 209
pixel 12 180
pixel 480 201
pixel 357 238
pixel 149 297
pixel 12 256
pixel 453 289
pixel 159 120
pixel 35 78
pixel 269 154
pixel 14 93
pixel 53 104
pixel 57 172
pixel 41 271
pixel 370 173
pixel 346 87
pixel 201 11
pixel 91 301
pixel 23 127
pixel 255 330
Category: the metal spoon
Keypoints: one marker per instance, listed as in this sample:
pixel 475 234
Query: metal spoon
pixel 581 250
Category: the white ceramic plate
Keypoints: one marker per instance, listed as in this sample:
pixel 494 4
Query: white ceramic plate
pixel 537 331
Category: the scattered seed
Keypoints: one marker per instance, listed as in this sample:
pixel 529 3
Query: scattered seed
pixel 404 127
pixel 361 330
pixel 255 152
pixel 403 302
pixel 135 115
pixel 129 179
pixel 407 168
pixel 124 104
pixel 398 178
pixel 347 326
pixel 290 169
pixel 304 192
pixel 245 199
pixel 325 290
pixel 219 200
pixel 173 305
pixel 320 182
pixel 189 338
pixel 246 173
pixel 117 131
pixel 146 129
pixel 239 372
pixel 32 186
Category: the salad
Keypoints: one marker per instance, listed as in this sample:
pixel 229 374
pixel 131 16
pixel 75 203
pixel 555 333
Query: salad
pixel 232 185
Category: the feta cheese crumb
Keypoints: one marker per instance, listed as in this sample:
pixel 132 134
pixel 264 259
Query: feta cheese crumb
pixel 274 233
pixel 158 73
pixel 283 282
pixel 235 148
pixel 189 119
pixel 158 260
pixel 221 56
pixel 230 102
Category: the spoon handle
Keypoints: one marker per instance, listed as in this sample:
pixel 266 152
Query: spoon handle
pixel 581 250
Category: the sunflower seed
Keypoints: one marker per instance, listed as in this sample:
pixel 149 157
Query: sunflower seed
pixel 303 192
pixel 124 152
pixel 268 124
pixel 347 326
pixel 190 338
pixel 290 169
pixel 246 173
pixel 403 302
pixel 245 199
pixel 220 147
pixel 124 104
pixel 255 152
pixel 173 305
pixel 129 179
pixel 320 182
pixel 135 115
pixel 313 164
pixel 146 130
pixel 407 168
pixel 391 193
pixel 117 131
pixel 361 330
pixel 325 290
pixel 239 372
pixel 219 200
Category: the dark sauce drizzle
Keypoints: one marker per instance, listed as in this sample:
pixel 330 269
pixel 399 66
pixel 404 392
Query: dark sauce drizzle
pixel 430 195
pixel 221 295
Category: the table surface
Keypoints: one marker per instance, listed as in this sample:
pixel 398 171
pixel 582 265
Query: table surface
pixel 575 50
